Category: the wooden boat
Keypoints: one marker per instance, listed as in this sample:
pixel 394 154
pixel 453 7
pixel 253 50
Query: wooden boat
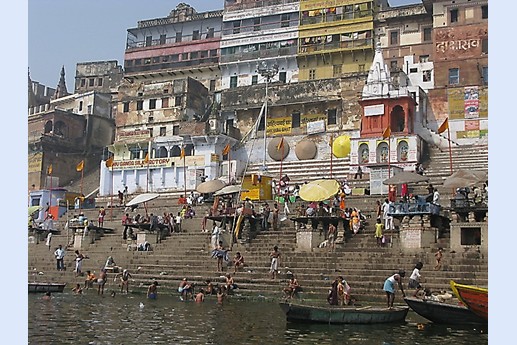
pixel 475 298
pixel 443 313
pixel 343 315
pixel 44 287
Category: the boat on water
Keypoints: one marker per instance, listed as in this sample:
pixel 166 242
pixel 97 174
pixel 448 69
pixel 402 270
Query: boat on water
pixel 343 315
pixel 443 312
pixel 475 298
pixel 46 287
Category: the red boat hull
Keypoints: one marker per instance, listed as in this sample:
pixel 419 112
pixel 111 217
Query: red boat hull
pixel 475 298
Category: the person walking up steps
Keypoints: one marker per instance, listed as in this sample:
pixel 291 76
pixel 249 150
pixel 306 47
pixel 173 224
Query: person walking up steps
pixel 275 258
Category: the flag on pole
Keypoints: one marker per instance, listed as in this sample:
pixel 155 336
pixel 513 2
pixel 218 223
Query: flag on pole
pixel 226 149
pixel 49 169
pixel 387 133
pixel 444 126
pixel 280 144
pixel 146 159
pixel 331 140
pixel 182 155
pixel 80 166
pixel 109 162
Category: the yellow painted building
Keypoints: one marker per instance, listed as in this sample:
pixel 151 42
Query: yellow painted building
pixel 335 38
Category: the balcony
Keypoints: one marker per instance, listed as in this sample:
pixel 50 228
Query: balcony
pixel 173 65
pixel 329 18
pixel 230 5
pixel 366 43
pixel 171 41
pixel 260 54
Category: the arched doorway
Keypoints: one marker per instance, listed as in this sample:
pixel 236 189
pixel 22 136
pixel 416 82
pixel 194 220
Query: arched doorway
pixel 397 119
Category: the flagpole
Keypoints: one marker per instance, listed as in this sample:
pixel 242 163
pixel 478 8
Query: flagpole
pixel 111 202
pixel 389 155
pixel 450 151
pixel 184 173
pixel 50 195
pixel 281 159
pixel 147 174
pixel 331 152
pixel 82 195
pixel 229 168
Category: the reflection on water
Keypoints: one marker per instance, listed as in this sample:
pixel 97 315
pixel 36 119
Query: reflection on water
pixel 90 319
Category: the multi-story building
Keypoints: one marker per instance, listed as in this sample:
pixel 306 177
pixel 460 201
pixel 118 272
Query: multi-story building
pixel 336 37
pixel 185 43
pixel 253 31
pixel 64 131
pixel 100 76
pixel 460 56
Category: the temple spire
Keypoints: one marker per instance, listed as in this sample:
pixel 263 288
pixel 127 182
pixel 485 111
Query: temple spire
pixel 32 96
pixel 61 86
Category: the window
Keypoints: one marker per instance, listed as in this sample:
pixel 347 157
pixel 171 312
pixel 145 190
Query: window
pixel 163 131
pixel 99 81
pixel 80 105
pixel 184 56
pixel 393 65
pixel 195 35
pixel 139 105
pixel 135 153
pixel 194 55
pixel 165 58
pixel 453 15
pixel 256 24
pixel 484 12
pixel 312 74
pixel 90 109
pixel 361 68
pixel 295 119
pixel 91 82
pixel 428 34
pixel 286 18
pixel 127 63
pixel 83 82
pixel 394 37
pixel 423 58
pixel 454 76
pixel 175 130
pixel 178 37
pixel 282 76
pixel 484 46
pixel 156 59
pixel 177 101
pixel 210 33
pixel 148 41
pixel 237 27
pixel 126 107
pixel 147 61
pixel 212 85
pixel 254 79
pixel 152 103
pixel 162 39
pixel 138 62
pixel 332 116
pixel 413 70
pixel 426 75
pixel 336 70
pixel 165 102
pixel 213 52
pixel 150 129
pixel 484 74
pixel 233 82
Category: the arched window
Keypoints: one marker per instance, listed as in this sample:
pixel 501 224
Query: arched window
pixel 48 127
pixel 364 153
pixel 161 152
pixel 398 119
pixel 175 151
pixel 60 128
pixel 189 150
pixel 382 153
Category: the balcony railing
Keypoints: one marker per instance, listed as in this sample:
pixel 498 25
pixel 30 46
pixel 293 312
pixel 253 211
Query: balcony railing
pixel 202 38
pixel 231 5
pixel 172 65
pixel 353 44
pixel 328 18
pixel 259 54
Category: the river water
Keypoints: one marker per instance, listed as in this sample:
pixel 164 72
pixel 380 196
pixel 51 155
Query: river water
pixel 133 319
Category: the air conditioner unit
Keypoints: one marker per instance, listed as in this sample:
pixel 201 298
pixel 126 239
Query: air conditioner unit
pixel 214 124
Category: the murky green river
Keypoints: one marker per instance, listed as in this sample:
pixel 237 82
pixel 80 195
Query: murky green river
pixel 133 319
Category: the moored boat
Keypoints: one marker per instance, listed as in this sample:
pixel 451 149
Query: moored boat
pixel 343 315
pixel 475 298
pixel 46 287
pixel 443 312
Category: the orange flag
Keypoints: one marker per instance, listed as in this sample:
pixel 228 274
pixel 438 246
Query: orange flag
pixel 146 159
pixel 280 144
pixel 109 162
pixel 444 126
pixel 182 155
pixel 387 133
pixel 49 169
pixel 226 149
pixel 80 166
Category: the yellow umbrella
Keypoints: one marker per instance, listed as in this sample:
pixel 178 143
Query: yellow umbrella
pixel 33 209
pixel 319 190
pixel 341 146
